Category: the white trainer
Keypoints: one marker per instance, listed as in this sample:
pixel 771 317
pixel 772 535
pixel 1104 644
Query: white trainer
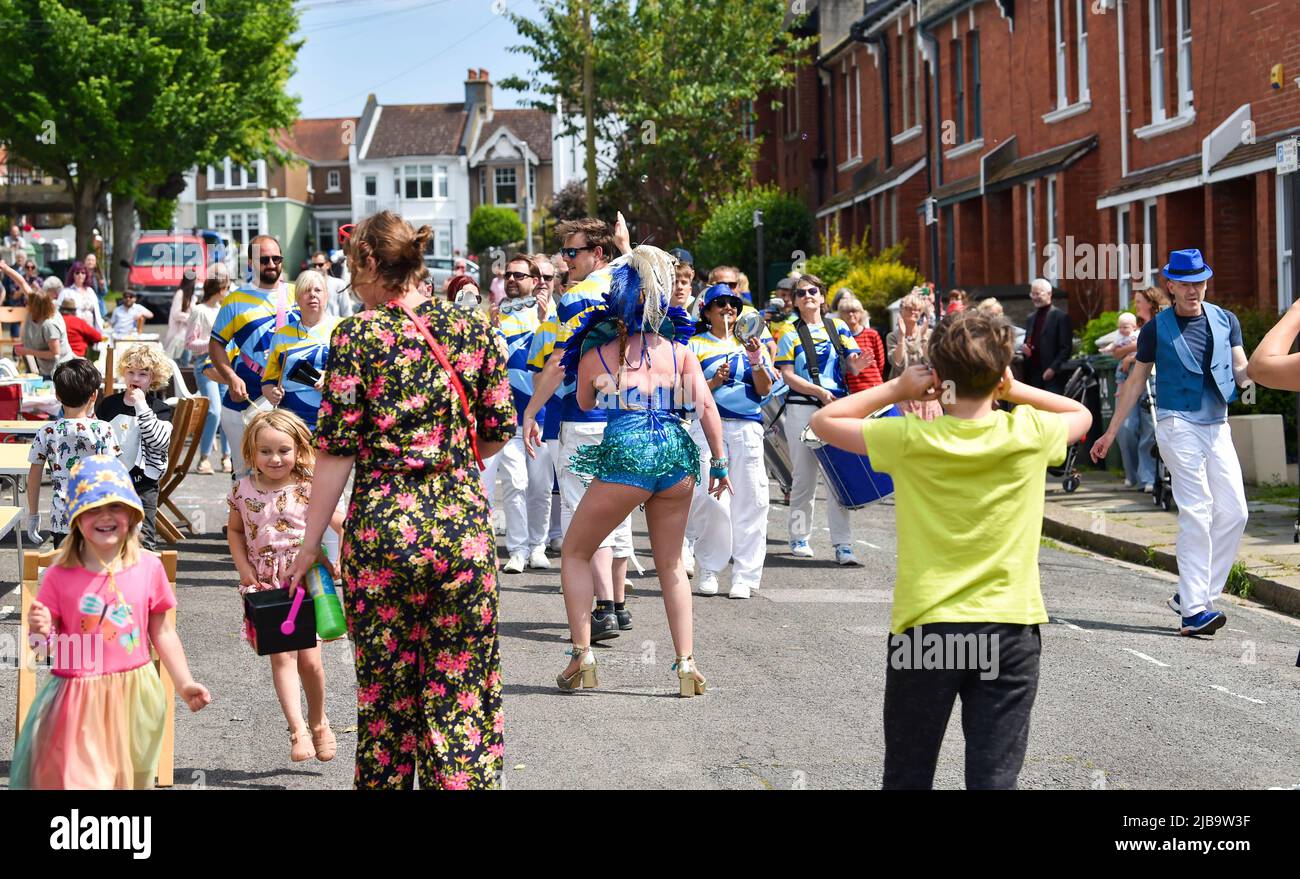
pixel 688 559
pixel 516 564
pixel 708 584
pixel 537 558
pixel 738 590
pixel 556 544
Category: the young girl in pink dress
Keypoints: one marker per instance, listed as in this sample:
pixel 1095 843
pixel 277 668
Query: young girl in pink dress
pixel 98 721
pixel 268 517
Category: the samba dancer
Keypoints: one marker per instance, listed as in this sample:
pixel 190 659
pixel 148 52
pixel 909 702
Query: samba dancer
pixel 645 457
pixel 814 381
pixel 740 376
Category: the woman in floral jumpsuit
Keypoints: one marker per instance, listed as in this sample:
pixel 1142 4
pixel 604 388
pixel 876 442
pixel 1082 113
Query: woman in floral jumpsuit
pixel 418 562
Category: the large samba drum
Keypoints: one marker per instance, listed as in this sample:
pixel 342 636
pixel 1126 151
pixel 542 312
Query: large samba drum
pixel 776 451
pixel 851 478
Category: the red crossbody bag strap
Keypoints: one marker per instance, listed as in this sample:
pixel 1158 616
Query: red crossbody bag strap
pixel 440 354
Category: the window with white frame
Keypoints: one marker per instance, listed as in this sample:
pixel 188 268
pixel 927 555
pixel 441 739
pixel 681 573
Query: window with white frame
pixel 1062 86
pixel 857 111
pixel 532 183
pixel 1031 241
pixel 442 242
pixel 505 185
pixel 905 79
pixel 232 175
pixel 372 185
pixel 1063 36
pixel 1123 223
pixel 976 98
pixel 1156 40
pixel 241 226
pixel 440 181
pixel 333 181
pixel 917 76
pixel 417 181
pixel 1051 230
pixel 1150 243
pixel 327 234
pixel 1081 39
pixel 482 186
pixel 958 79
pixel 1184 56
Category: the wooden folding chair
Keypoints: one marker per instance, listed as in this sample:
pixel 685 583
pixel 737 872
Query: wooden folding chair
pixel 108 370
pixel 33 564
pixel 10 314
pixel 187 424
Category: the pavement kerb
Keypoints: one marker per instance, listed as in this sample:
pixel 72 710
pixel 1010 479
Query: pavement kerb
pixel 1075 528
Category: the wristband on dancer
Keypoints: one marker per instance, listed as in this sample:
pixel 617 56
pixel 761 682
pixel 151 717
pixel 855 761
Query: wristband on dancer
pixel 755 356
pixel 718 468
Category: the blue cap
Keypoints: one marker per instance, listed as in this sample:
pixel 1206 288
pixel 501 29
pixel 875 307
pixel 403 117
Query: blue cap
pixel 97 481
pixel 718 291
pixel 682 255
pixel 1187 266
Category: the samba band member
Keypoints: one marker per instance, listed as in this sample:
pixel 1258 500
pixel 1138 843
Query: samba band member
pixel 740 376
pixel 645 456
pixel 814 382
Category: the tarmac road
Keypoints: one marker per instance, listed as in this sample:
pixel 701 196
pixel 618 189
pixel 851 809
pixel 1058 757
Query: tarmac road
pixel 796 680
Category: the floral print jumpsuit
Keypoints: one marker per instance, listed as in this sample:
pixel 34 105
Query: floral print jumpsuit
pixel 418 560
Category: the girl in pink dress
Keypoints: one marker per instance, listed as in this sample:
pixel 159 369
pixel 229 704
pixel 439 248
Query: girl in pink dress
pixel 268 516
pixel 98 721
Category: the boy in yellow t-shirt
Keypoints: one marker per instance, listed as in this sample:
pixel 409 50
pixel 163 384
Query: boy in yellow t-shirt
pixel 969 506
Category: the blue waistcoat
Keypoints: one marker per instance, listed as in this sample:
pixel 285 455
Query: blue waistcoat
pixel 1179 377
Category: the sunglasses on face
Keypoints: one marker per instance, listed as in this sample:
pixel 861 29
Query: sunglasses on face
pixel 546 279
pixel 318 265
pixel 805 291
pixel 272 260
pixel 517 276
pixel 572 252
pixel 732 284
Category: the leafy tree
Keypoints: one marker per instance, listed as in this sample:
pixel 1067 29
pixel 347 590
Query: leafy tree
pixel 674 81
pixel 729 236
pixel 133 92
pixel 492 226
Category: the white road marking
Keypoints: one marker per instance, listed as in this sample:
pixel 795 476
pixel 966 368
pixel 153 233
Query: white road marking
pixel 6 610
pixel 1141 655
pixel 872 545
pixel 1238 695
pixel 1070 625
pixel 825 596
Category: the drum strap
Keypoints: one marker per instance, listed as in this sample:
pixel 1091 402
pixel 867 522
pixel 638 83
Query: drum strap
pixel 810 349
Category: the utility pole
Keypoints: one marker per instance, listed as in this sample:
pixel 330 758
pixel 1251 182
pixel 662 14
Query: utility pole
pixel 588 77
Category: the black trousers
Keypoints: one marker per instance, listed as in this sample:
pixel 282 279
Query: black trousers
pixel 148 490
pixel 993 667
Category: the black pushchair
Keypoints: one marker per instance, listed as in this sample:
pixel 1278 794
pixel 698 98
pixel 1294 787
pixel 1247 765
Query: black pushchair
pixel 1162 491
pixel 1083 379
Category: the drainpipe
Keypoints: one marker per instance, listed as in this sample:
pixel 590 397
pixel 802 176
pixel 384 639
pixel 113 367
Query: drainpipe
pixel 933 169
pixel 1123 94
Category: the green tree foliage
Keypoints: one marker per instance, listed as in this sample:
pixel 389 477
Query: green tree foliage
pixel 129 92
pixel 491 226
pixel 879 283
pixel 729 237
pixel 1104 323
pixel 674 81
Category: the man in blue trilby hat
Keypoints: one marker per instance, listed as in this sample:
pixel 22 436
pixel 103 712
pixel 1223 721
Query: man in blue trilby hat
pixel 1197 351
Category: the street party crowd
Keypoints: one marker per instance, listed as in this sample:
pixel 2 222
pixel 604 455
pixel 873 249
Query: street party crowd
pixel 578 387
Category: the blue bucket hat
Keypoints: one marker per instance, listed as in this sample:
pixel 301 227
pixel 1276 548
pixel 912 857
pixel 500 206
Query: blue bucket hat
pixel 718 291
pixel 1187 266
pixel 97 481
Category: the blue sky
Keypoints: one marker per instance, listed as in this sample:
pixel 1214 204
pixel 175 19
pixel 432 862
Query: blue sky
pixel 405 51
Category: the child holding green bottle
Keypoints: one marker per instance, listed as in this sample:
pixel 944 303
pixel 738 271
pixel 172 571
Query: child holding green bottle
pixel 268 517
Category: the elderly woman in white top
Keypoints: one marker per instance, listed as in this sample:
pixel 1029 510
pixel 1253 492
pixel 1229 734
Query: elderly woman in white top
pixel 907 345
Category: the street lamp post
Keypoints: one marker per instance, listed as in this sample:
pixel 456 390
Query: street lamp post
pixel 762 272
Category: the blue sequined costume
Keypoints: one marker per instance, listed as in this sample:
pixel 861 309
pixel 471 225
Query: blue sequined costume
pixel 645 444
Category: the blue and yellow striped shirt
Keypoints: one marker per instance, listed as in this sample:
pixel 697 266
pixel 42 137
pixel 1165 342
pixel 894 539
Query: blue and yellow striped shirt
pixel 790 352
pixel 298 344
pixel 246 323
pixel 587 295
pixel 737 398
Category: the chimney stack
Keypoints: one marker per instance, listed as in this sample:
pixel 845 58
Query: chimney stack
pixel 478 92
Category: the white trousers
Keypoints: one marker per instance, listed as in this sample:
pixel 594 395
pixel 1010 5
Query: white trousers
pixel 553 450
pixel 737 521
pixel 806 474
pixel 232 423
pixel 1211 506
pixel 573 436
pixel 526 494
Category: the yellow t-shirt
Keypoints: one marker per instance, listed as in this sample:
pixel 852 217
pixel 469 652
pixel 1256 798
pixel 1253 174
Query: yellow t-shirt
pixel 968 498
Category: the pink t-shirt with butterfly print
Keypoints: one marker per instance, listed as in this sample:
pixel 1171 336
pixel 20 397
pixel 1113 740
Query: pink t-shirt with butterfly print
pixel 112 625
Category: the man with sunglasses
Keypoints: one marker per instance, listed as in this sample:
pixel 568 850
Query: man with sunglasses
pixel 588 246
pixel 338 303
pixel 249 318
pixel 527 496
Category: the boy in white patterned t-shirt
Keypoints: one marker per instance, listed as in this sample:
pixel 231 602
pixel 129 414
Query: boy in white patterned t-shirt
pixel 63 442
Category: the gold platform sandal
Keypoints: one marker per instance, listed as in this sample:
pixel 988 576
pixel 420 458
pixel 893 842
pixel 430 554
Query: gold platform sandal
pixel 689 677
pixel 584 675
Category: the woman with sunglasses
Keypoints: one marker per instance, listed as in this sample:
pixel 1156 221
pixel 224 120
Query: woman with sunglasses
pixel 740 377
pixel 77 288
pixel 815 377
